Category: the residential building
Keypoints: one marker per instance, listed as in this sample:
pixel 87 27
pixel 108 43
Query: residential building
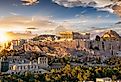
pixel 103 79
pixel 24 65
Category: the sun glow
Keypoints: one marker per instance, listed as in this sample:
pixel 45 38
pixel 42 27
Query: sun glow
pixel 3 37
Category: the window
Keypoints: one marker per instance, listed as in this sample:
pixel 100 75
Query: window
pixel 10 68
pixel 35 66
pixel 28 67
pixel 24 67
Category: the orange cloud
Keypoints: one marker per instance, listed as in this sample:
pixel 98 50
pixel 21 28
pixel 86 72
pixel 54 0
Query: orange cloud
pixel 117 9
pixel 21 23
pixel 14 36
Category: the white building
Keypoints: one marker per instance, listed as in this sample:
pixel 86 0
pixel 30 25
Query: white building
pixel 43 62
pixel 118 53
pixel 103 79
pixel 35 67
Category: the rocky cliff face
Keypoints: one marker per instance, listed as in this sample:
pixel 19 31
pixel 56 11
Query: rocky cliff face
pixel 58 48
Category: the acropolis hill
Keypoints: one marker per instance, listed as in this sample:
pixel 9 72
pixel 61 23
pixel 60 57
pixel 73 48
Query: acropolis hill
pixel 52 52
pixel 68 43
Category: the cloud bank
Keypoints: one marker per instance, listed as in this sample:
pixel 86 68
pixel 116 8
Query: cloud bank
pixel 113 6
pixel 36 24
pixel 22 23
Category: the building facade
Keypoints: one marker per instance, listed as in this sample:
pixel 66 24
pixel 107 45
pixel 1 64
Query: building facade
pixel 36 67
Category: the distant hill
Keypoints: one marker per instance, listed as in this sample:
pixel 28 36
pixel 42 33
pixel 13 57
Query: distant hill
pixel 14 36
pixel 60 29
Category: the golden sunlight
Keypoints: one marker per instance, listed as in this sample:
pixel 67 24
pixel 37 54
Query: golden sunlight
pixel 3 37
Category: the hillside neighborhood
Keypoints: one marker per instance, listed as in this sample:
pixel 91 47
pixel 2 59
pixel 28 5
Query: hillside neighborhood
pixel 46 53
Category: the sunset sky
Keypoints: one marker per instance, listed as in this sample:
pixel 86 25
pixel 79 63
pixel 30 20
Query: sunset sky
pixel 47 15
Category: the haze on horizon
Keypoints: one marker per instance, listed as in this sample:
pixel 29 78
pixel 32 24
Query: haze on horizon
pixel 48 15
